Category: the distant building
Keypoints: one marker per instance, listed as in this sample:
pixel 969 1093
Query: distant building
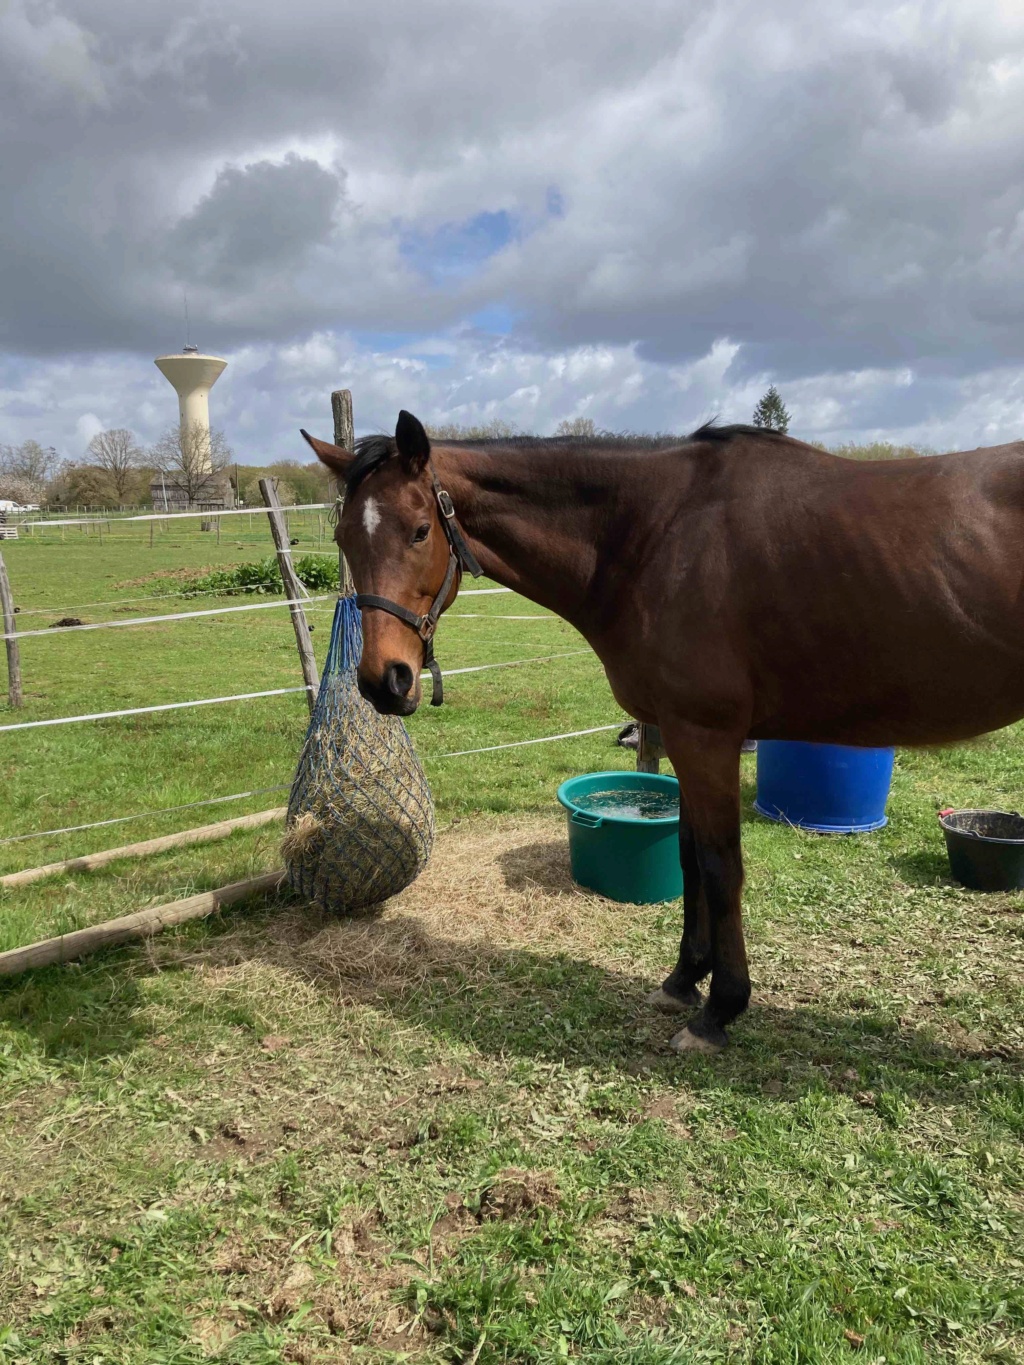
pixel 216 495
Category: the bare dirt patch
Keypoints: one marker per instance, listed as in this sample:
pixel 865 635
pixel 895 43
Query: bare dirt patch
pixel 515 1193
pixel 666 1108
pixel 159 576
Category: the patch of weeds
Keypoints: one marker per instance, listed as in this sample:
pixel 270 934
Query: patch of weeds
pixel 638 1155
pixel 462 1131
pixel 319 573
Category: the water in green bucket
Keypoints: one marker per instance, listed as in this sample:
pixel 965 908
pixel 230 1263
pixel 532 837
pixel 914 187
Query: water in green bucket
pixel 630 803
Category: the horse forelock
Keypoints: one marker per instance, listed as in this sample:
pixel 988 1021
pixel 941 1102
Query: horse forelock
pixel 370 453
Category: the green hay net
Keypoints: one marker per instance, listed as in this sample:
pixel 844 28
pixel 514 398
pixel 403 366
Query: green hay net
pixel 360 822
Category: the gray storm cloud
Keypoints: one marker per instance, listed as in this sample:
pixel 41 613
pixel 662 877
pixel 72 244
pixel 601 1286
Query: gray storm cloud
pixel 833 191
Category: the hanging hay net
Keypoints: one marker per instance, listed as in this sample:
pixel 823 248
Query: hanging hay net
pixel 360 817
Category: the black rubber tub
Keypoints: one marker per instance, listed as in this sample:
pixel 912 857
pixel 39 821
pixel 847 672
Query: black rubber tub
pixel 985 847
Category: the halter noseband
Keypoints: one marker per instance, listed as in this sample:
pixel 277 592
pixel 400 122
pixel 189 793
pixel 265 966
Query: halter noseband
pixel 460 557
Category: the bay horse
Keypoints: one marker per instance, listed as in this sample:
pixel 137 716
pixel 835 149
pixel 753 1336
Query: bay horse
pixel 733 583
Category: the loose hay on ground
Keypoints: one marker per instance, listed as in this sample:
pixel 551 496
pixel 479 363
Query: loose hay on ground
pixel 499 887
pixel 489 886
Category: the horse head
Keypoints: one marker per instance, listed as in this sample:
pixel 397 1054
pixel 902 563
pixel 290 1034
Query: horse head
pixel 406 555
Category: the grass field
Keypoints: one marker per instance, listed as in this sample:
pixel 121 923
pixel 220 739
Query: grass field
pixel 453 1132
pixel 70 775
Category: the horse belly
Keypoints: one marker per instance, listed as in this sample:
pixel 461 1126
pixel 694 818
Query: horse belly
pixel 921 688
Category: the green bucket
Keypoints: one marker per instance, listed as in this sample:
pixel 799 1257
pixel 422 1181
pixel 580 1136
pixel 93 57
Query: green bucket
pixel 624 857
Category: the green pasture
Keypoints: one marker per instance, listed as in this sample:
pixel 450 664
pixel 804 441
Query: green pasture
pixel 75 774
pixel 214 1148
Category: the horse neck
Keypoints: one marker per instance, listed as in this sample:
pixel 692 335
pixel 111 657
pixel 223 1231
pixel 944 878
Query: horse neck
pixel 540 521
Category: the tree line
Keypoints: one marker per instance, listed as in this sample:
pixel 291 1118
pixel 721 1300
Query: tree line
pixel 770 414
pixel 119 471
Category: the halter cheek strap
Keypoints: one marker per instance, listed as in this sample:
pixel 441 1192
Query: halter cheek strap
pixel 460 557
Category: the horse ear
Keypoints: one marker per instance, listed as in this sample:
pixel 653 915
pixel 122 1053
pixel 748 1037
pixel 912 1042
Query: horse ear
pixel 337 459
pixel 412 441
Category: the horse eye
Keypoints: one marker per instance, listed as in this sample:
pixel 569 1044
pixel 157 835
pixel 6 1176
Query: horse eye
pixel 421 533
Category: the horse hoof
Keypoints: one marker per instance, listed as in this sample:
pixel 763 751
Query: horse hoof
pixel 674 1004
pixel 687 1041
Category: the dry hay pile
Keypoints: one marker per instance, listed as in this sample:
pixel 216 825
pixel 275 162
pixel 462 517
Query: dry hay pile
pixel 491 888
pixel 360 822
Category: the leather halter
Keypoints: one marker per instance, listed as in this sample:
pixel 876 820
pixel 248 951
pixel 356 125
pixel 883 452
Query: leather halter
pixel 460 557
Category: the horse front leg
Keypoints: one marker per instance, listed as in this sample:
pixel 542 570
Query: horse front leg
pixel 707 766
pixel 678 992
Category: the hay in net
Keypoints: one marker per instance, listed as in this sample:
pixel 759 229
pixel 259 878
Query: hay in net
pixel 360 817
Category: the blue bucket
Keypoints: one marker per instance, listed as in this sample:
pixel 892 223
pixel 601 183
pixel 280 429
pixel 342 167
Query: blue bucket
pixel 828 788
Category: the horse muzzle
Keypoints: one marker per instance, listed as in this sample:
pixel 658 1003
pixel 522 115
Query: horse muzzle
pixel 395 693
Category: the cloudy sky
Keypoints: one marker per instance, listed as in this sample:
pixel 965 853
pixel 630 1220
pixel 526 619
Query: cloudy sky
pixel 639 212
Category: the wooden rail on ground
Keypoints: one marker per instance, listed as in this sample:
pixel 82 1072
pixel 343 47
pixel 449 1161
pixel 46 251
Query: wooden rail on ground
pixel 141 925
pixel 201 835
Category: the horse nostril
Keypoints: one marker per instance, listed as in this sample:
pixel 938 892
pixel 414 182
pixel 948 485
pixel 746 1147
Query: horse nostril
pixel 398 679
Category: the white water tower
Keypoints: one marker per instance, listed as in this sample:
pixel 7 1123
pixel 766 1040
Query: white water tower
pixel 187 486
pixel 192 376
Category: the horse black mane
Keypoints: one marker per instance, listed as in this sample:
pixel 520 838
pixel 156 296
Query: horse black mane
pixel 711 431
pixel 373 451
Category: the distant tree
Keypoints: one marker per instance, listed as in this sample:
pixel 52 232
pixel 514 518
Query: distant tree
pixel 771 412
pixel 77 484
pixel 576 426
pixel 325 486
pixel 252 497
pixel 18 490
pixel 193 457
pixel 119 455
pixel 25 471
pixel 309 482
pixel 495 430
pixel 306 483
pixel 83 485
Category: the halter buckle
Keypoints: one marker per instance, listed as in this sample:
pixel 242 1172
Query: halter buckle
pixel 445 503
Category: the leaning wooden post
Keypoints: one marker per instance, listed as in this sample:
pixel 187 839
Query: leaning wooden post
pixel 13 655
pixel 344 436
pixel 649 750
pixel 294 589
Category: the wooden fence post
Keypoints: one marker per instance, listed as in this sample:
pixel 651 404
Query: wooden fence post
pixel 649 751
pixel 13 655
pixel 344 436
pixel 294 588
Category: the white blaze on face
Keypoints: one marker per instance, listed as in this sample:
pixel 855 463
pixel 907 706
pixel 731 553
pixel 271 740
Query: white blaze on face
pixel 371 516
